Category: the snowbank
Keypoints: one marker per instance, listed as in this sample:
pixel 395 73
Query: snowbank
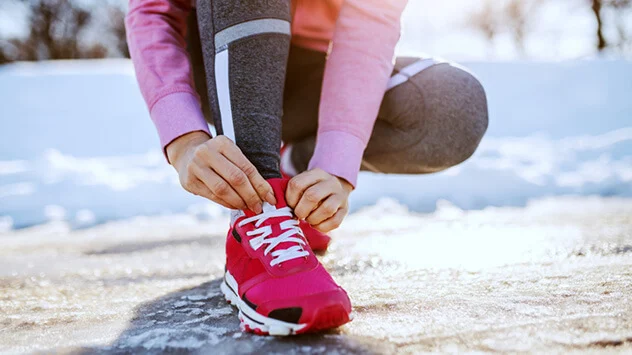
pixel 78 144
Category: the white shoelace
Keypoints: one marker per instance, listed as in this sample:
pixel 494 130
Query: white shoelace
pixel 261 234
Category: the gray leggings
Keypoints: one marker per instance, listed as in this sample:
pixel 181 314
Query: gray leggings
pixel 432 117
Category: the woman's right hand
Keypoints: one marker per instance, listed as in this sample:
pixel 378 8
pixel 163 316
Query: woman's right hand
pixel 216 168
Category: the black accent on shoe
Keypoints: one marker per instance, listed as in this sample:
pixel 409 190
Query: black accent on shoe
pixel 247 316
pixel 247 301
pixel 236 235
pixel 290 315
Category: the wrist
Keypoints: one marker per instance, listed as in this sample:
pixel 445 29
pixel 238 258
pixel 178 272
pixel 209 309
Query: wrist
pixel 181 145
pixel 345 184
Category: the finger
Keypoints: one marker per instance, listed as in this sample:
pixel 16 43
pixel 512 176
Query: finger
pixel 200 189
pixel 325 210
pixel 261 186
pixel 301 182
pixel 333 222
pixel 220 188
pixel 312 198
pixel 238 180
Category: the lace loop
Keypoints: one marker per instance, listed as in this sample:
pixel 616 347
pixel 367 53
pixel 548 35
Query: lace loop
pixel 261 235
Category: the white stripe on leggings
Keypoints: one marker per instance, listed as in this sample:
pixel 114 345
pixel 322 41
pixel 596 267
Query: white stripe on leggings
pixel 222 86
pixel 410 71
pixel 246 29
pixel 222 80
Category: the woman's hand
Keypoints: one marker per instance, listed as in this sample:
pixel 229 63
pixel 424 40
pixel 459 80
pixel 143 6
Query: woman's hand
pixel 319 198
pixel 216 169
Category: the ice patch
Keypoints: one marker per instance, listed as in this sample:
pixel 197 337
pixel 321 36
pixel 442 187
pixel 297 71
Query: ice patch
pixel 180 304
pixel 163 338
pixel 218 312
pixel 196 297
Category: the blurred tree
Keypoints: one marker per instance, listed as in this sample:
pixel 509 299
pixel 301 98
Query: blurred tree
pixel 486 21
pixel 117 25
pixel 619 11
pixel 58 30
pixel 513 16
pixel 596 9
pixel 519 16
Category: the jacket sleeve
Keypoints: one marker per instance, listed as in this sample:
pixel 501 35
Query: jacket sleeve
pixel 156 32
pixel 358 68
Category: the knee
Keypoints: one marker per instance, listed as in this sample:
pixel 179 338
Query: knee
pixel 454 117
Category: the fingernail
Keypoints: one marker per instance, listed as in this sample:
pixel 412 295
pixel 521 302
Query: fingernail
pixel 258 209
pixel 271 199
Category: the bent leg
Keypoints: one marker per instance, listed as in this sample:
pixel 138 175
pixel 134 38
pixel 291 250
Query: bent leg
pixel 432 117
pixel 245 47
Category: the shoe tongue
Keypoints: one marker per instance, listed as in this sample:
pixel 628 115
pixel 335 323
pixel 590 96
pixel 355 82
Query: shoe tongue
pixel 279 185
pixel 278 188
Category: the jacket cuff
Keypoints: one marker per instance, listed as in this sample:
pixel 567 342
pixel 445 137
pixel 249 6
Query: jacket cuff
pixel 175 115
pixel 338 153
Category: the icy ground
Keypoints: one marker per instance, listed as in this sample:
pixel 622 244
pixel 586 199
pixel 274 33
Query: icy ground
pixel 555 275
pixel 80 270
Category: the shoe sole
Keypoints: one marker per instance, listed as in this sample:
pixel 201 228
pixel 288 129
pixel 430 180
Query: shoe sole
pixel 253 322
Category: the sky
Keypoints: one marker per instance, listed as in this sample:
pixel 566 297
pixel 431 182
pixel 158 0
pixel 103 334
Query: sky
pixel 561 29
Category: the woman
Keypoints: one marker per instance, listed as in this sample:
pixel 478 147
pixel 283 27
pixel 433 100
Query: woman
pixel 317 75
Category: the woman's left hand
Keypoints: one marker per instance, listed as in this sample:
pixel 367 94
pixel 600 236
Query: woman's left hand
pixel 319 198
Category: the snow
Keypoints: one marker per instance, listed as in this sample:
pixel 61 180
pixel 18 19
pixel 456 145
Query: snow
pixel 76 136
pixel 553 276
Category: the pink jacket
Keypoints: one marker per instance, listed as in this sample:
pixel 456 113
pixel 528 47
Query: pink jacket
pixel 360 35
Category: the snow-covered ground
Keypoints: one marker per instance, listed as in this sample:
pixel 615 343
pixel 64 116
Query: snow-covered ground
pixel 524 248
pixel 552 277
pixel 78 145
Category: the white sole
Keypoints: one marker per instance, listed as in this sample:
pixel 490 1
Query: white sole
pixel 249 318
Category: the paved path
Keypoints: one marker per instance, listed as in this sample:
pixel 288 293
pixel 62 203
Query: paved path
pixel 555 276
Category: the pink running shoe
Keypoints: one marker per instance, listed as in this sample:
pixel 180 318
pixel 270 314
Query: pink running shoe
pixel 273 277
pixel 318 241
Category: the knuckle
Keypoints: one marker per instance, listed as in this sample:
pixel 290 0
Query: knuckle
pixel 222 141
pixel 251 198
pixel 200 151
pixel 263 186
pixel 250 170
pixel 236 177
pixel 220 188
pixel 325 227
pixel 190 169
pixel 330 208
pixel 295 184
pixel 187 184
pixel 312 196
